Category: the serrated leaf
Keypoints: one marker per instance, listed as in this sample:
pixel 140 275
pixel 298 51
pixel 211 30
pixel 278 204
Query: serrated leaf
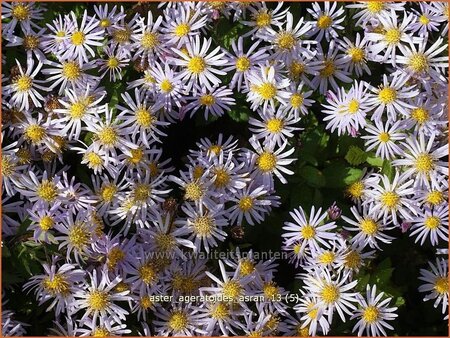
pixel 355 155
pixel 375 161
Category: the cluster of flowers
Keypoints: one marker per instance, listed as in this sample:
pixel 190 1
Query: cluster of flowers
pixel 123 238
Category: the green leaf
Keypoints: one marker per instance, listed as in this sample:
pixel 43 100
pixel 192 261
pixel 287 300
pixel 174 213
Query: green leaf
pixel 374 161
pixel 355 155
pixel 388 170
pixel 338 175
pixel 313 176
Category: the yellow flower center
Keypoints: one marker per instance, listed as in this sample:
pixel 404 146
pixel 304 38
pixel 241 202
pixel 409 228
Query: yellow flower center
pixel 207 100
pixel 122 35
pixel 355 190
pixel 270 290
pixel 324 21
pixel 432 222
pixel 196 65
pixel 78 38
pixel 105 23
pixel 115 256
pixel 420 114
pixel 423 19
pixel 148 273
pixel 141 192
pixel 352 260
pixel 215 149
pixel 46 223
pixel 93 159
pixel 47 190
pixel 165 242
pixel 193 191
pixel 60 34
pixel 441 285
pixel 296 69
pixel 392 36
pixel 435 197
pixel 418 63
pixel 353 106
pixel 296 100
pixel 370 314
pixel 121 287
pixel 328 69
pixel 220 311
pixel 178 321
pixel 30 42
pixel 327 257
pixel 246 203
pixel 329 293
pixel 113 62
pixel 232 289
pixel 368 226
pixel 98 300
pixel 149 40
pixel 390 199
pixel 267 91
pixel 246 267
pixel 8 166
pixel 77 110
pixel 242 63
pixel 222 177
pixel 375 6
pixel 275 125
pixel 308 231
pixel 78 236
pixel 56 286
pixel 203 226
pixel 266 162
pixel 108 136
pixel 35 133
pixel 146 303
pixel 20 12
pixel 263 19
pixel 424 163
pixel 166 86
pixel 107 192
pixel 357 54
pixel 71 70
pixel 384 137
pixel 144 118
pixel 101 332
pixel 182 30
pixel 286 41
pixel 24 83
pixel 387 95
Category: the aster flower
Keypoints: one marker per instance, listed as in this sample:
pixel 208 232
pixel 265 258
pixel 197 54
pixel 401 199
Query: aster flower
pixel 263 18
pixel 369 11
pixel 432 224
pixel 215 102
pixel 383 137
pixel 309 231
pixel 326 21
pixel 23 13
pixel 198 66
pixel 82 39
pixel 374 313
pixel 113 64
pixel 436 283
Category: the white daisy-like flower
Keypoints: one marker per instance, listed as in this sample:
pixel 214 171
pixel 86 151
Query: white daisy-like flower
pixel 215 102
pixel 436 283
pixel 327 21
pixel 107 18
pixel 205 225
pixel 431 223
pixel 391 198
pixel 427 21
pixel 275 126
pixel 98 297
pixel 263 18
pixel 346 111
pixel 31 41
pixel 374 313
pixel 243 62
pixel 198 66
pixel 113 64
pixel 24 87
pixel 178 320
pixel 82 39
pixel 268 161
pixel 370 11
pixel 383 137
pixel 356 53
pixel 332 292
pixel 169 85
pixel 298 102
pixel 391 97
pixel 55 41
pixel 420 159
pixel 309 231
pixel 369 229
pixel 392 36
pixel 312 315
pixel 332 68
pixel 23 13
pixel 265 88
